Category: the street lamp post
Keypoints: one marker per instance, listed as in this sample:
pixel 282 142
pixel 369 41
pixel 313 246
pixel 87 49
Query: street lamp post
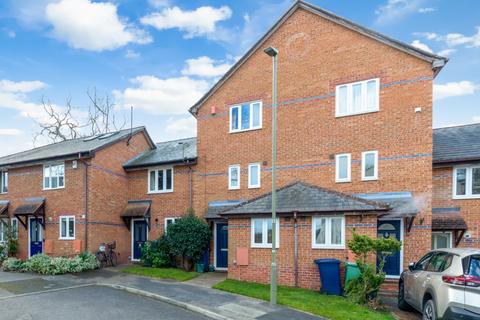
pixel 272 52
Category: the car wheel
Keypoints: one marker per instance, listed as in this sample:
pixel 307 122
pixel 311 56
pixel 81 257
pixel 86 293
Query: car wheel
pixel 402 304
pixel 429 312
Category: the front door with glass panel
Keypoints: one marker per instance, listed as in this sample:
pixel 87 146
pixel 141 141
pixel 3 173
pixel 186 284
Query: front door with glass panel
pixel 36 236
pixel 140 229
pixel 221 245
pixel 389 229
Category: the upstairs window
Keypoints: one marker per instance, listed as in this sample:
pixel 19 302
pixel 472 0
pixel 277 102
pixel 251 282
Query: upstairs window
pixel 466 182
pixel 246 116
pixel 343 167
pixel 160 180
pixel 54 176
pixel 370 165
pixel 358 97
pixel 234 177
pixel 3 181
pixel 254 175
pixel 67 227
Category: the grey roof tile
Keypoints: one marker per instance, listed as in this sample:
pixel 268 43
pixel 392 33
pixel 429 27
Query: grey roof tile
pixel 216 207
pixel 402 204
pixel 456 144
pixel 166 152
pixel 67 148
pixel 305 198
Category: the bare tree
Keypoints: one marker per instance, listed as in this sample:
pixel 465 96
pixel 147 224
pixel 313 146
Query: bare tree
pixel 68 122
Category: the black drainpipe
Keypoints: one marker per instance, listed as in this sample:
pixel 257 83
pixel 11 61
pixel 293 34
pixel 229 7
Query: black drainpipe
pixel 295 250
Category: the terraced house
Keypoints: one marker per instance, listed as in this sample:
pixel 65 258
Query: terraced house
pixel 356 150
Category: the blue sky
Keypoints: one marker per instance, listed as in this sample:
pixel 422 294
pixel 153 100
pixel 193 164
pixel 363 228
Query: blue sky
pixel 161 55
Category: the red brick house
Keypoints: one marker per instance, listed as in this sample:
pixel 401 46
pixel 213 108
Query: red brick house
pixel 356 150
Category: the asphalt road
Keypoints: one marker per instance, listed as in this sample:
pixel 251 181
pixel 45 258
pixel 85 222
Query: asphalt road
pixel 92 303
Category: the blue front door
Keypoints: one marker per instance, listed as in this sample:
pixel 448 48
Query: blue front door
pixel 221 245
pixel 390 229
pixel 139 238
pixel 36 236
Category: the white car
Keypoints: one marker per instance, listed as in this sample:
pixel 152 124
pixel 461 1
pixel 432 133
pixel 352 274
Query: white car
pixel 444 284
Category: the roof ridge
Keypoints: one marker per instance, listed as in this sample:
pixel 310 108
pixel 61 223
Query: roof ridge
pixel 457 126
pixel 169 141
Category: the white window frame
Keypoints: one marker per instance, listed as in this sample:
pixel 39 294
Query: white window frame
pixel 264 243
pixel 3 178
pixel 251 127
pixel 233 166
pixel 349 168
pixel 375 170
pixel 350 98
pixel 67 237
pixel 468 183
pixel 328 233
pixel 50 165
pixel 156 190
pixel 3 223
pixel 14 221
pixel 250 185
pixel 442 233
pixel 173 219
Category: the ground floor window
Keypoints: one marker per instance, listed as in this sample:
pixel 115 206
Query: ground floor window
pixel 261 231
pixel 441 240
pixel 3 230
pixel 328 232
pixel 169 221
pixel 67 227
pixel 14 224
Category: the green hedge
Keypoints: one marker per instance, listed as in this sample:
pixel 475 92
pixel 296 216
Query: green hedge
pixel 44 264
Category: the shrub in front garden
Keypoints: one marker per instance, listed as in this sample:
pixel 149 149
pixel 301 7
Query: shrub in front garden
pixel 364 289
pixel 157 253
pixel 44 264
pixel 187 239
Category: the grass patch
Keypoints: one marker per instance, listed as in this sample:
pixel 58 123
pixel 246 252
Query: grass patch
pixel 332 307
pixel 162 273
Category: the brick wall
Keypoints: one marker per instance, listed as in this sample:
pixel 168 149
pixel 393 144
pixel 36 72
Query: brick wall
pixel 314 56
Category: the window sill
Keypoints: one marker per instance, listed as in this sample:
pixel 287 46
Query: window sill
pixel 233 189
pixel 262 246
pixel 245 130
pixel 160 192
pixel 471 197
pixel 329 247
pixel 48 189
pixel 253 187
pixel 370 179
pixel 355 114
pixel 343 181
pixel 66 239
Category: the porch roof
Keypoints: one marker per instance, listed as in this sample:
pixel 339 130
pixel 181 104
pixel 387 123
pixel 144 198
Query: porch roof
pixel 30 206
pixel 4 208
pixel 137 209
pixel 306 198
pixel 442 222
pixel 401 204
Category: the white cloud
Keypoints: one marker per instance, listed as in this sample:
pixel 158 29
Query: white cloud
pixel 181 128
pixel 395 10
pixel 421 46
pixel 159 3
pixel 446 52
pixel 476 119
pixel 199 22
pixel 205 67
pixel 10 132
pixel 426 35
pixel 453 89
pixel 21 86
pixel 94 26
pixel 456 39
pixel 172 96
pixel 426 10
pixel 132 54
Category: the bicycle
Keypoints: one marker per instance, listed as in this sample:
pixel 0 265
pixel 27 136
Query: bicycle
pixel 109 256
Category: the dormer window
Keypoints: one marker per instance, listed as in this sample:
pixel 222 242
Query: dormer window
pixel 247 116
pixel 3 181
pixel 54 176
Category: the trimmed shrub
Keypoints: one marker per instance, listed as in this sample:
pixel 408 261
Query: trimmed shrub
pixel 13 264
pixel 157 253
pixel 39 263
pixel 88 261
pixel 187 239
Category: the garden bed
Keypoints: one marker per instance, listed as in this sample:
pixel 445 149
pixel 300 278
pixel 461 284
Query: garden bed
pixel 332 307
